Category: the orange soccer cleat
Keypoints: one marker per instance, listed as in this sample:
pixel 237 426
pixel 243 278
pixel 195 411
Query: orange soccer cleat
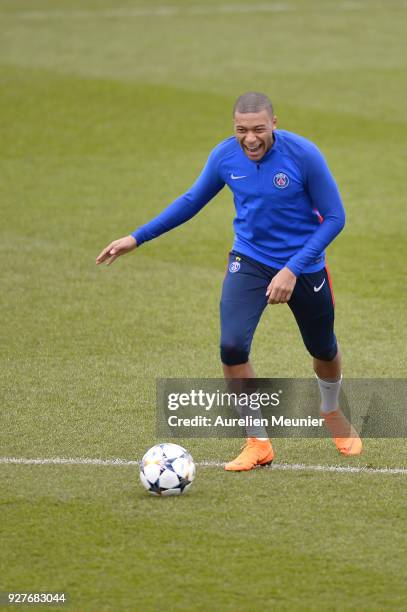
pixel 255 452
pixel 346 438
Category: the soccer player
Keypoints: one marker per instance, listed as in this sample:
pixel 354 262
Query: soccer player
pixel 288 210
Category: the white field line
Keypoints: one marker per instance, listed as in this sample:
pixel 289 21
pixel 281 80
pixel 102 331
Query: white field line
pixel 292 467
pixel 171 11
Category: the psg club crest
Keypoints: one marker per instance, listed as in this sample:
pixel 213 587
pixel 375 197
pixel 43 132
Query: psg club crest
pixel 234 267
pixel 281 180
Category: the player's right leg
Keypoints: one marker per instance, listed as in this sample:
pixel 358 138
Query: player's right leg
pixel 242 303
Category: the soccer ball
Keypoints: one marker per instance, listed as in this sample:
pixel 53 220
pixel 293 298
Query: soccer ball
pixel 167 469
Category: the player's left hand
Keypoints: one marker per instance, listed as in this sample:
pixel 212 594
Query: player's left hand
pixel 281 287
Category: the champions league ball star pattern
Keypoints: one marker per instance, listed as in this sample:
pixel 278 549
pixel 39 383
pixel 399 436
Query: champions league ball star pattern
pixel 167 469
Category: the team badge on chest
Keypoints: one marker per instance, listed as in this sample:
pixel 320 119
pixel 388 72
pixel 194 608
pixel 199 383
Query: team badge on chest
pixel 281 180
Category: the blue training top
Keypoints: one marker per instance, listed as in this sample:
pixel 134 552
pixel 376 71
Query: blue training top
pixel 288 207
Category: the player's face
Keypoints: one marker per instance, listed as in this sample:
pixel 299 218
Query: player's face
pixel 254 131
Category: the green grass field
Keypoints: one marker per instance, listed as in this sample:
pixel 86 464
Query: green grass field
pixel 108 113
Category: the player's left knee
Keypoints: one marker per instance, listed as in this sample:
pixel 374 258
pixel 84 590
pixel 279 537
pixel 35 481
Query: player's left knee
pixel 324 354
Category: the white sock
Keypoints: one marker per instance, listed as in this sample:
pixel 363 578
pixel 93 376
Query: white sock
pixel 329 394
pixel 257 431
pixel 252 431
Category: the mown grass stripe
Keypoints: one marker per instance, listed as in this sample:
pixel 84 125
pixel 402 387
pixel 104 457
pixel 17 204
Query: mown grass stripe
pixel 177 11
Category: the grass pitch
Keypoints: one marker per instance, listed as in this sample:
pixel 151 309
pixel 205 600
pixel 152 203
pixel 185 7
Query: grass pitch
pixel 108 114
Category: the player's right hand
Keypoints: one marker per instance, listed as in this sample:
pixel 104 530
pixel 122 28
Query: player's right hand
pixel 115 249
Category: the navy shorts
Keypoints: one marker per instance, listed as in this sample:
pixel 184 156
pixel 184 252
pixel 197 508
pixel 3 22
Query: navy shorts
pixel 244 299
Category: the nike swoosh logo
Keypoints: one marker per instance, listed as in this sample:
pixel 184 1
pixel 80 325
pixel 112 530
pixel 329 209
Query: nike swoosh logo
pixel 316 289
pixel 232 176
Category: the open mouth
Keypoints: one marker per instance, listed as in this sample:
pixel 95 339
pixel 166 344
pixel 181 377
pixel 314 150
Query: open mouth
pixel 253 150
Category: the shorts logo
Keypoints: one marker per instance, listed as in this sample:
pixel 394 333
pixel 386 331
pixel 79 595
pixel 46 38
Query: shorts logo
pixel 234 267
pixel 281 180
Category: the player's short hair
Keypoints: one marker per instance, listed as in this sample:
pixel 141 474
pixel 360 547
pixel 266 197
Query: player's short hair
pixel 253 102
